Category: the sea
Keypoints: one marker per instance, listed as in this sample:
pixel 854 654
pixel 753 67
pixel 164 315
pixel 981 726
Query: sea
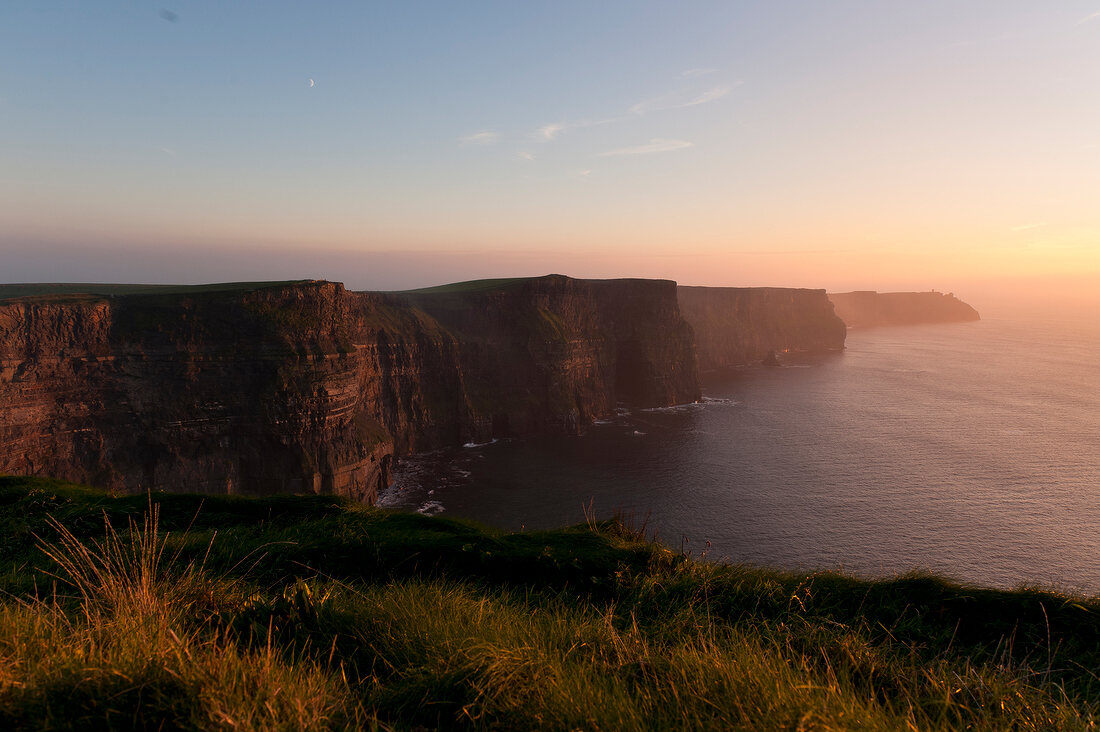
pixel 970 450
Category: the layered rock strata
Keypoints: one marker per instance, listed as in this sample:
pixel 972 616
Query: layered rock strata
pixel 558 352
pixel 308 387
pixel 736 326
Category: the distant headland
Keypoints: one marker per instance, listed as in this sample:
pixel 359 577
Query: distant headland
pixel 867 308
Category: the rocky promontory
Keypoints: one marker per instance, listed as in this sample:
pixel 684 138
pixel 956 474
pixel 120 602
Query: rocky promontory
pixel 736 326
pixel 307 387
pixel 867 308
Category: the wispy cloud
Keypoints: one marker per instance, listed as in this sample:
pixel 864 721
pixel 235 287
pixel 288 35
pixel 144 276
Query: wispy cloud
pixel 674 100
pixel 1029 227
pixel 692 73
pixel 711 94
pixel 655 145
pixel 486 137
pixel 584 173
pixel 1089 18
pixel 524 156
pixel 680 101
pixel 550 131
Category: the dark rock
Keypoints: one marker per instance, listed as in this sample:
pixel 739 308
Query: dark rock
pixel 736 326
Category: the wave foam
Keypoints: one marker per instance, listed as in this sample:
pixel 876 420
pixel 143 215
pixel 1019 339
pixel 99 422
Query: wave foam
pixel 470 445
pixel 675 408
pixel 431 508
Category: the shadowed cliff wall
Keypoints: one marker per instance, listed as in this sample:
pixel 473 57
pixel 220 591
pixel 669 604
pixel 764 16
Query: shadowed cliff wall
pixel 307 387
pixel 230 391
pixel 868 308
pixel 555 352
pixel 740 325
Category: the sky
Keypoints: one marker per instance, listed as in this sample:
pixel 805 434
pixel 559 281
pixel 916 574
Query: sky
pixel 847 144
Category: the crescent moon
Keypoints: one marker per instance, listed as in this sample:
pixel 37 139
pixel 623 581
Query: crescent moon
pixel 311 83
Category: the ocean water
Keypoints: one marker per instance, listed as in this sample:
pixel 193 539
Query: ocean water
pixel 971 450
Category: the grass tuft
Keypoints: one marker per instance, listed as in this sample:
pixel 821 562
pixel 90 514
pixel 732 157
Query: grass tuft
pixel 121 577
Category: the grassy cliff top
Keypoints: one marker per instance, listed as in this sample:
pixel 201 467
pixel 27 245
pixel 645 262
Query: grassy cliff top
pixel 293 612
pixel 65 290
pixel 505 284
pixel 471 286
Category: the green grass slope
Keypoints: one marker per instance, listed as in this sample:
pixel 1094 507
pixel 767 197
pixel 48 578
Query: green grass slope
pixel 471 286
pixel 189 612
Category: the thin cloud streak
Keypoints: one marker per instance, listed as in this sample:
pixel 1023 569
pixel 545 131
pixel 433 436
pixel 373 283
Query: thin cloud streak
pixel 675 101
pixel 1029 227
pixel 655 145
pixel 712 94
pixel 549 132
pixel 552 131
pixel 486 137
pixel 1089 18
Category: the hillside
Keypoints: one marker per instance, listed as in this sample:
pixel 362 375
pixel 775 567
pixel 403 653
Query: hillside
pixel 296 612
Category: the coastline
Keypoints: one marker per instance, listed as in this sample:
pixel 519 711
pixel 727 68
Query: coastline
pixel 762 468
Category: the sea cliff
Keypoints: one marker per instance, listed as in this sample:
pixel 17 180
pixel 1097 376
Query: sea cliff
pixel 202 391
pixel 867 308
pixel 307 387
pixel 740 325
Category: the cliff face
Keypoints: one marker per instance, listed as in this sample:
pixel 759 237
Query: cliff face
pixel 251 391
pixel 867 308
pixel 740 325
pixel 555 352
pixel 308 387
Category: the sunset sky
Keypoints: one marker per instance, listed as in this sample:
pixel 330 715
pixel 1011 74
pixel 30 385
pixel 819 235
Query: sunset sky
pixel 853 144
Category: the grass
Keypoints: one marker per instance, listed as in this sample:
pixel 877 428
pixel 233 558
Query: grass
pixel 471 286
pixel 60 291
pixel 196 612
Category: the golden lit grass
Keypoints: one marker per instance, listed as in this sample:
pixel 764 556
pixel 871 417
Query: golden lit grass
pixel 440 651
pixel 60 675
pixel 137 631
pixel 140 645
